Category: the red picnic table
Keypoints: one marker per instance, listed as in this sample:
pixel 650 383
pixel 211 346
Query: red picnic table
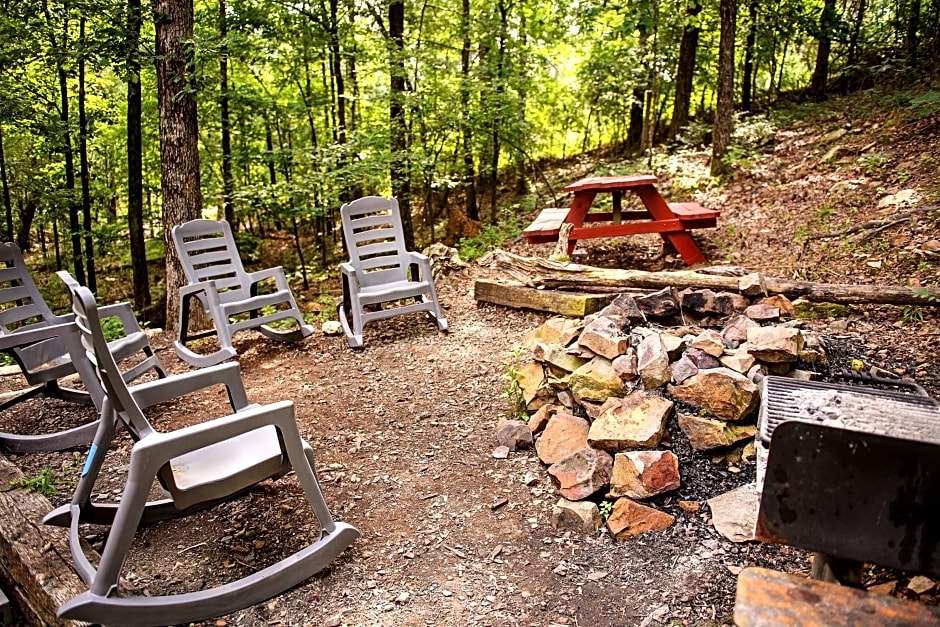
pixel 672 220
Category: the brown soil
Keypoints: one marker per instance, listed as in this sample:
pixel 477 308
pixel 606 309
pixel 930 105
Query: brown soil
pixel 404 429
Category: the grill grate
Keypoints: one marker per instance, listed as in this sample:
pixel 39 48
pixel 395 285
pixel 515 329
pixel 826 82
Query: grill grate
pixel 893 411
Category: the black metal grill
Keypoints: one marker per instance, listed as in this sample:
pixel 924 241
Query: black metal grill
pixel 886 407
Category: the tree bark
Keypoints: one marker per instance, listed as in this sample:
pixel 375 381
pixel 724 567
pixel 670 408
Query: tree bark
pixel 724 106
pixel 550 274
pixel 685 71
pixel 747 80
pixel 179 134
pixel 469 174
pixel 400 170
pixel 73 206
pixel 135 179
pixel 7 204
pixel 83 165
pixel 228 181
pixel 820 78
pixel 911 39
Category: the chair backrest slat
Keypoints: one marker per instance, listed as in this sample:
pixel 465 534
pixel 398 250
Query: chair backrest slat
pixel 207 252
pixel 22 307
pixel 376 241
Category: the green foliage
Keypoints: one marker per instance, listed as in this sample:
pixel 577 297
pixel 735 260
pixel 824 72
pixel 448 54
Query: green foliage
pixel 874 162
pixel 812 311
pixel 606 508
pixel 491 236
pixel 750 137
pixel 45 483
pixel 512 391
pixel 926 294
pixel 911 315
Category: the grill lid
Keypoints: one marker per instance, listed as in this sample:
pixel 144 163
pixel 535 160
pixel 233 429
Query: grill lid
pixel 894 411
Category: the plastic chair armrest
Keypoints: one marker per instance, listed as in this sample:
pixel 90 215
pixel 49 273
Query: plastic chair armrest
pixel 38 334
pixel 160 390
pixel 124 312
pixel 276 273
pixel 166 446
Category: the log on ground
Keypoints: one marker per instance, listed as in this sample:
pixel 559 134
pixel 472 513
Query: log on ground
pixel 35 563
pixel 544 273
pixel 574 305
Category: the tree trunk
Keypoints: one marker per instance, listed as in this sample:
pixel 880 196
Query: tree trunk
pixel 83 164
pixel 724 106
pixel 228 181
pixel 336 69
pixel 747 80
pixel 911 40
pixel 400 170
pixel 469 173
pixel 820 78
pixel 135 180
pixel 496 118
pixel 856 33
pixel 7 204
pixel 78 267
pixel 685 71
pixel 179 134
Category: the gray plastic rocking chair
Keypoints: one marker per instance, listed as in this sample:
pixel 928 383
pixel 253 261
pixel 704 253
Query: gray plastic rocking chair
pixel 198 466
pixel 227 292
pixel 375 279
pixel 43 345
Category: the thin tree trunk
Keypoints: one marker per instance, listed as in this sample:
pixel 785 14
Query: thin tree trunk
pixel 400 171
pixel 469 173
pixel 747 80
pixel 135 180
pixel 725 98
pixel 820 78
pixel 856 33
pixel 228 181
pixel 496 117
pixel 911 40
pixel 83 164
pixel 7 205
pixel 73 206
pixel 179 134
pixel 685 71
pixel 336 68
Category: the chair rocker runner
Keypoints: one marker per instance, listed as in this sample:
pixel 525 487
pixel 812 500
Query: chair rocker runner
pixel 377 271
pixel 45 346
pixel 227 293
pixel 198 466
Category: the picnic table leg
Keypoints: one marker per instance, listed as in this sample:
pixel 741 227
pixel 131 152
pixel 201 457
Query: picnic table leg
pixel 580 205
pixel 659 209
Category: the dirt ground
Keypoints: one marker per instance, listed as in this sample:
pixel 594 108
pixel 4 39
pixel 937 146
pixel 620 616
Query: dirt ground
pixel 404 430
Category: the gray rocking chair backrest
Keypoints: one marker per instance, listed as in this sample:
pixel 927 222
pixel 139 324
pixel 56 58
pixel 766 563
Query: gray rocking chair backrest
pixel 199 466
pixel 46 348
pixel 377 274
pixel 376 241
pixel 228 293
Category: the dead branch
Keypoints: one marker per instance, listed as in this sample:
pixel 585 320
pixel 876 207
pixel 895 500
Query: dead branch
pixel 876 225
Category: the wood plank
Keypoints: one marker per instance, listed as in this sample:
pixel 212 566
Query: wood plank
pixel 692 210
pixel 607 183
pixel 572 304
pixel 767 597
pixel 35 562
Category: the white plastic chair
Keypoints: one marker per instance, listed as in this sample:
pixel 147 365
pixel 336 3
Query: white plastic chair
pixel 228 293
pixel 376 281
pixel 46 348
pixel 198 466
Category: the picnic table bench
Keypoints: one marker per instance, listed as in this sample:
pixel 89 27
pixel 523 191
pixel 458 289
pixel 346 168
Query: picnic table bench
pixel 672 221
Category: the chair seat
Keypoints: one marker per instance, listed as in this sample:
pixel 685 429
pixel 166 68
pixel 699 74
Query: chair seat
pixel 392 291
pixel 258 449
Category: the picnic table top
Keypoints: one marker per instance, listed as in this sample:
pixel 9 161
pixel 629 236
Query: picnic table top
pixel 611 183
